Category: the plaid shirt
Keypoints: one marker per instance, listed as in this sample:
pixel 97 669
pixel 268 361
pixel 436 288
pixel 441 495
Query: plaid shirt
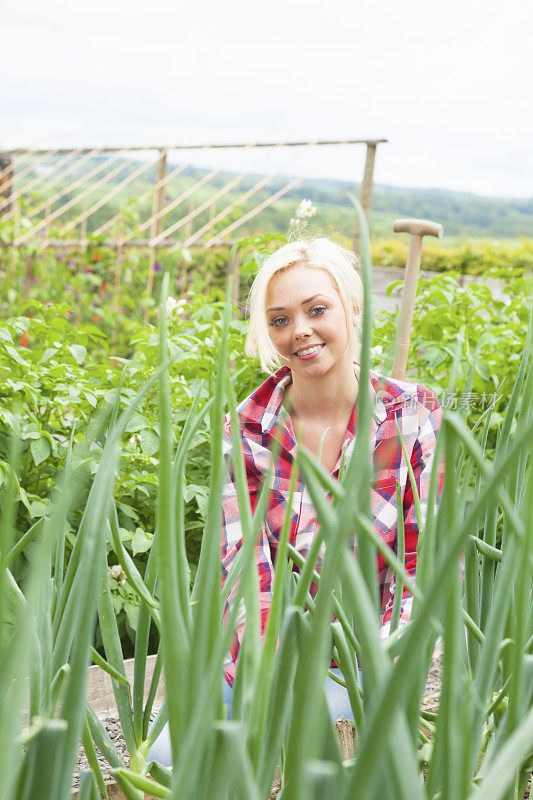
pixel 418 414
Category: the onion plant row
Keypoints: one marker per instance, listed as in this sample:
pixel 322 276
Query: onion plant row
pixel 477 744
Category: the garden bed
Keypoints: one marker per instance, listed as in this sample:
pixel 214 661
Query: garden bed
pixel 100 694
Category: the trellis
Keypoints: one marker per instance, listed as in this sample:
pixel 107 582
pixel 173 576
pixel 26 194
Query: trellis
pixel 204 213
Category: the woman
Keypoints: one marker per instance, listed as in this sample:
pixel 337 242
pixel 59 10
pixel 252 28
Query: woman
pixel 305 314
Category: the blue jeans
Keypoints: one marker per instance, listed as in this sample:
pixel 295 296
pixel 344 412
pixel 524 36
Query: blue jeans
pixel 336 697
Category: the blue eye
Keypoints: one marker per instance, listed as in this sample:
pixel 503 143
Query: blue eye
pixel 278 321
pixel 318 310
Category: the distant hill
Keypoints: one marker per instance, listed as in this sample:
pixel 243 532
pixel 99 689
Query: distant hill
pixel 462 214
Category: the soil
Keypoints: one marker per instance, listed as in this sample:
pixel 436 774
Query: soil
pixel 430 703
pixel 114 730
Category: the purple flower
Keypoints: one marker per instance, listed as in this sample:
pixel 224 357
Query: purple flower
pixel 157 266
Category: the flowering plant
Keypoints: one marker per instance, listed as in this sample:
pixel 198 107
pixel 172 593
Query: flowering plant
pixel 297 224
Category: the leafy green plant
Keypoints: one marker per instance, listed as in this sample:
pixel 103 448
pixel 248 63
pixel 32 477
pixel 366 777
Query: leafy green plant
pixel 52 385
pixel 478 745
pixel 466 344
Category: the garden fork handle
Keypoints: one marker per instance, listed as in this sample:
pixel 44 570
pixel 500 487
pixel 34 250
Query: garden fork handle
pixel 417 228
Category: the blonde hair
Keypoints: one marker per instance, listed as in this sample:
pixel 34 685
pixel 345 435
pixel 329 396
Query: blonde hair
pixel 319 253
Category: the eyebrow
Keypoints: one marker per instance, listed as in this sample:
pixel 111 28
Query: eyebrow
pixel 303 303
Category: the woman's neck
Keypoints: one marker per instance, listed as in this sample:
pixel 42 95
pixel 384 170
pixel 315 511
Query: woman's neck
pixel 330 398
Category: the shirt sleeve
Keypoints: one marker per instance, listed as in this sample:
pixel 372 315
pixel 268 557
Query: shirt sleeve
pixel 231 543
pixel 421 462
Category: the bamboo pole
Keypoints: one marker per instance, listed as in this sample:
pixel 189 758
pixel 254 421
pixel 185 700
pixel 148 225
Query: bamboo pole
pixel 190 217
pixel 109 196
pixel 41 179
pixel 268 202
pixel 184 196
pixel 202 207
pixel 150 282
pixel 83 243
pixel 365 195
pixel 16 222
pixel 159 191
pixel 188 193
pixel 156 227
pixel 229 208
pixel 119 261
pixel 83 227
pixel 83 179
pixel 61 244
pixel 46 230
pixel 118 270
pixel 86 193
pixel 76 165
pixel 47 212
pixel 211 146
pixel 19 173
pixel 211 223
pixel 106 225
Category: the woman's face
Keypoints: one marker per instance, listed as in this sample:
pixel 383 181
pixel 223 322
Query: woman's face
pixel 307 322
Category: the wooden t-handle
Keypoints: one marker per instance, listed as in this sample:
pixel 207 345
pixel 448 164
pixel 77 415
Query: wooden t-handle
pixel 417 228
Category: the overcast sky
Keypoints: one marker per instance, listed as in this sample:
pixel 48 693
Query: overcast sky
pixel 448 84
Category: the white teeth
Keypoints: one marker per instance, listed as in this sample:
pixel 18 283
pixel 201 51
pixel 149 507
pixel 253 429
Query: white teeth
pixel 309 350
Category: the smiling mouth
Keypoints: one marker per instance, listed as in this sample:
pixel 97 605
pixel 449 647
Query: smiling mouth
pixel 308 351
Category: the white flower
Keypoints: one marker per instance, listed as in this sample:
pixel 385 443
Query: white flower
pixel 172 303
pixel 118 574
pixel 376 351
pixel 306 209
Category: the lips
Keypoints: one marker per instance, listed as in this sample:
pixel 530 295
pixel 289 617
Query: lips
pixel 310 351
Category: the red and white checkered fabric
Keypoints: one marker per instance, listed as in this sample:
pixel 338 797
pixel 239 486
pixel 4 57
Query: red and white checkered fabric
pixel 418 414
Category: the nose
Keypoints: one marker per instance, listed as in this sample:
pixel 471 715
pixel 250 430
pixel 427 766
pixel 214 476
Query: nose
pixel 302 327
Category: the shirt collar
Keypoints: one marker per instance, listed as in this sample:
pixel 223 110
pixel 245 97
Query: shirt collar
pixel 380 397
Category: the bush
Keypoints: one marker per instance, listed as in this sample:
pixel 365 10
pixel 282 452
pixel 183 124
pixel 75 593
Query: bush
pixel 57 376
pixel 490 259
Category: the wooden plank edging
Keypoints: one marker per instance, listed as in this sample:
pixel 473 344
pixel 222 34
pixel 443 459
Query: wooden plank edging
pixel 100 689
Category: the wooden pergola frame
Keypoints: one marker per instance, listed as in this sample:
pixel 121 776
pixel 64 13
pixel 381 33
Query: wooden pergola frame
pixel 68 160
